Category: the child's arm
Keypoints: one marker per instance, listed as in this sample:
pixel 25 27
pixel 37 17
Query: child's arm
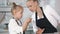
pixel 26 23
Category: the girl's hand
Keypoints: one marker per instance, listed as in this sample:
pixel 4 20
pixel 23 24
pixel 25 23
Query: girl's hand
pixel 40 31
pixel 28 20
pixel 26 23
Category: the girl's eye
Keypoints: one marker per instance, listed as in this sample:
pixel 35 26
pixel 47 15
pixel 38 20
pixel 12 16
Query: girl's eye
pixel 29 6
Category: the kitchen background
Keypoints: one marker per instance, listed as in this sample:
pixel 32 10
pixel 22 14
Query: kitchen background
pixel 5 13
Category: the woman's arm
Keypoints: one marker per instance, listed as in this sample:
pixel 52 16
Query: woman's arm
pixel 40 31
pixel 26 23
pixel 54 13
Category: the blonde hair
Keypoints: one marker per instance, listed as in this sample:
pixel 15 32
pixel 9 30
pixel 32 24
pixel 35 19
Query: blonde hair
pixel 33 0
pixel 15 8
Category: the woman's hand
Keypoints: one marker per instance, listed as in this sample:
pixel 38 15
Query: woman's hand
pixel 40 31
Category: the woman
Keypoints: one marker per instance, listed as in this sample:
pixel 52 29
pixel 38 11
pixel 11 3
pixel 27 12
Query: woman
pixel 46 17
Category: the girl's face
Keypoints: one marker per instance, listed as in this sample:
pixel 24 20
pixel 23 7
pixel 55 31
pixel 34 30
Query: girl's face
pixel 19 13
pixel 32 5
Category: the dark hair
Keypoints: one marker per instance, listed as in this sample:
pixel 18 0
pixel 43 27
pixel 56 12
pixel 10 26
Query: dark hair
pixel 15 6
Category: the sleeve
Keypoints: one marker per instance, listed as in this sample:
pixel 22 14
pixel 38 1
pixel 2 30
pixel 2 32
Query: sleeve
pixel 34 23
pixel 11 27
pixel 54 14
pixel 34 27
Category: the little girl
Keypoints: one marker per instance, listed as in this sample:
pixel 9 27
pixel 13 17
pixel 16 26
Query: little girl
pixel 15 26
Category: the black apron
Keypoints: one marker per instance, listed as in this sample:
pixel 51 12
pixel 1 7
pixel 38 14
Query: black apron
pixel 44 23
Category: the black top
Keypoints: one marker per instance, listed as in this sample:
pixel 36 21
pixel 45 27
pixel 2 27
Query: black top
pixel 44 23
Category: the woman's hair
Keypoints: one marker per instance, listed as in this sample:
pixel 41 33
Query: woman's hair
pixel 34 1
pixel 14 7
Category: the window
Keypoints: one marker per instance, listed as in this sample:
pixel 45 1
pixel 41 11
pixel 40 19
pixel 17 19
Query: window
pixel 3 2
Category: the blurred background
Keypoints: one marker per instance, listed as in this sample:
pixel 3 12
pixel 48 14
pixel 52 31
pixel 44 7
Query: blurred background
pixel 5 12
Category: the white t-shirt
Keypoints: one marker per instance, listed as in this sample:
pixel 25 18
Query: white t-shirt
pixel 14 28
pixel 51 15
